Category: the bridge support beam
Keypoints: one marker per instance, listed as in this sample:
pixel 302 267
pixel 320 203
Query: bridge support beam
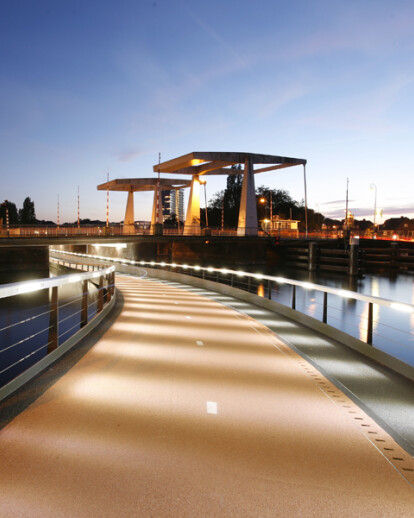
pixel 192 220
pixel 247 225
pixel 129 213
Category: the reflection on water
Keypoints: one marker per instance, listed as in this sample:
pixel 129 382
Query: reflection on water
pixel 393 331
pixel 24 324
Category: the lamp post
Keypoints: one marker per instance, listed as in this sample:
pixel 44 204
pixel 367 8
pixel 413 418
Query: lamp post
pixel 203 182
pixel 373 186
pixel 263 200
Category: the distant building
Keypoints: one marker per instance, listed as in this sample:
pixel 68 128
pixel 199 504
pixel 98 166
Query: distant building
pixel 173 203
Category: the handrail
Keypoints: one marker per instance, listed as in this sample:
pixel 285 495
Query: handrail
pixel 401 306
pixel 34 342
pixel 18 288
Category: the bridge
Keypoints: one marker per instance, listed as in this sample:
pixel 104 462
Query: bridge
pixel 193 398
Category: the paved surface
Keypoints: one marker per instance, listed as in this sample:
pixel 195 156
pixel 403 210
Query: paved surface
pixel 186 407
pixel 385 395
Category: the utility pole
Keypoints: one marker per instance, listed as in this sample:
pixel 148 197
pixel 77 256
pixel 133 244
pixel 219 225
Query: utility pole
pixel 78 209
pixel 346 205
pixel 158 189
pixel 107 200
pixel 58 215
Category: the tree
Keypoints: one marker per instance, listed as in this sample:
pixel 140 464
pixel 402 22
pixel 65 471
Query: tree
pixel 230 197
pixel 13 216
pixel 27 214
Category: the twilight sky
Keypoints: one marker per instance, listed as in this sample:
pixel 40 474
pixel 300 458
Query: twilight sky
pixel 90 87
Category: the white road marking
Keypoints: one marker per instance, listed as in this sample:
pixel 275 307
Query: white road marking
pixel 212 407
pixel 199 342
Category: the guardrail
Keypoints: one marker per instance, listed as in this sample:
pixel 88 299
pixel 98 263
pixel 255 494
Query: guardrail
pixel 27 341
pixel 292 293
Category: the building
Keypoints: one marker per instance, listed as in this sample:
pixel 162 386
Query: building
pixel 173 203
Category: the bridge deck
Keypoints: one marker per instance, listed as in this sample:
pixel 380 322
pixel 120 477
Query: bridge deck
pixel 185 407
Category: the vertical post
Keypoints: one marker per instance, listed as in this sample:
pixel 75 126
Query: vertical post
pixel 353 257
pixel 313 253
pixel 232 280
pixel 217 277
pixel 107 200
pixel 247 223
pixel 84 312
pixel 269 289
pixel 325 307
pixel 100 294
pixel 370 321
pixel 204 274
pixel 53 321
pixel 112 283
pixel 249 282
pixel 306 200
pixel 108 288
pixel 294 297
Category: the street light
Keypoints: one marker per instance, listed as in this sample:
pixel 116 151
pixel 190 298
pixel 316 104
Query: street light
pixel 203 182
pixel 373 186
pixel 263 200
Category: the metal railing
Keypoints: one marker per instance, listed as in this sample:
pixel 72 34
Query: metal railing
pixel 27 335
pixel 366 321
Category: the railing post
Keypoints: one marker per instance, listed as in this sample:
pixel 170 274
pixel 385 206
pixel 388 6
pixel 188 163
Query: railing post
pixel 217 277
pixel 112 283
pixel 232 280
pixel 325 307
pixel 100 294
pixel 53 321
pixel 294 297
pixel 84 312
pixel 269 289
pixel 249 282
pixel 108 287
pixel 204 274
pixel 370 321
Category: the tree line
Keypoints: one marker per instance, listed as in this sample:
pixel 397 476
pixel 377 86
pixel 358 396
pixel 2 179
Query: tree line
pixel 25 216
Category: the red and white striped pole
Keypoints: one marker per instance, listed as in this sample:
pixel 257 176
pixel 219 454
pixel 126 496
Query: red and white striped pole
pixel 158 190
pixel 107 200
pixel 78 209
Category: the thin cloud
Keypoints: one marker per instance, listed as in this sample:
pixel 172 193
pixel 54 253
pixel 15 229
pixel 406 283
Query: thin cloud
pixel 126 155
pixel 217 38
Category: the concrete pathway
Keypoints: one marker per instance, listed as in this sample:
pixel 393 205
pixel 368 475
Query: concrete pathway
pixel 187 408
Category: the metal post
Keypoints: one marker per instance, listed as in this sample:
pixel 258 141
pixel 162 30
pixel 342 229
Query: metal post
pixel 353 257
pixel 217 277
pixel 306 200
pixel 100 294
pixel 294 297
pixel 325 308
pixel 108 287
pixel 204 274
pixel 313 254
pixel 269 289
pixel 249 282
pixel 370 322
pixel 53 321
pixel 84 312
pixel 231 280
pixel 112 283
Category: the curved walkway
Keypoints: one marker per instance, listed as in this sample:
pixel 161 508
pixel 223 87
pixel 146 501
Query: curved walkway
pixel 187 408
